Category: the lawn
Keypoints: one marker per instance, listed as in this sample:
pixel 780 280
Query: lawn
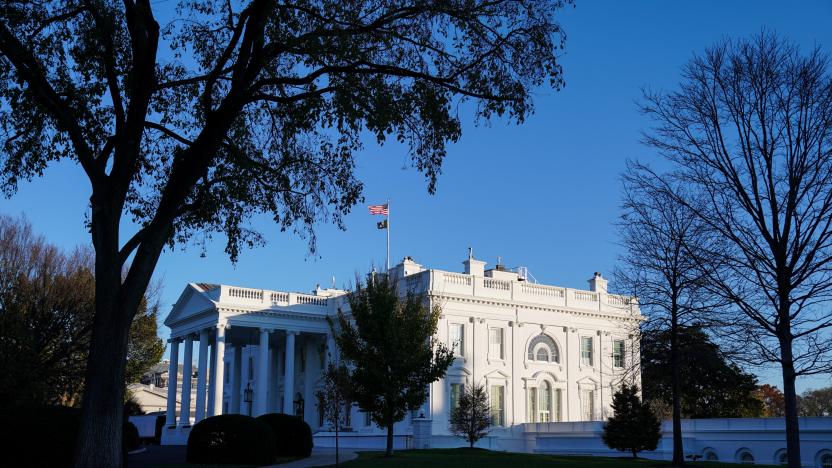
pixel 464 457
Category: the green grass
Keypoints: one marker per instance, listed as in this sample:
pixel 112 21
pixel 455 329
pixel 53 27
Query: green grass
pixel 479 458
pixel 277 461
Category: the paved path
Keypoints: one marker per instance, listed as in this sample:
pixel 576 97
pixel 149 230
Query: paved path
pixel 323 456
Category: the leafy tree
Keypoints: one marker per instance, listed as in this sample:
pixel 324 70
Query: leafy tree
pixel 749 133
pixel 387 344
pixel 472 416
pixel 633 426
pixel 236 109
pixel 772 400
pixel 816 402
pixel 333 403
pixel 710 385
pixel 46 314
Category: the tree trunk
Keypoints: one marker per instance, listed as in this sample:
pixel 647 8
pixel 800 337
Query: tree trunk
pixel 678 449
pixel 635 454
pixel 792 426
pixel 389 451
pixel 99 441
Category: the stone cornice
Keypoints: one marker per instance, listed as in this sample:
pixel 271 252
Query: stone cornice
pixel 276 313
pixel 530 306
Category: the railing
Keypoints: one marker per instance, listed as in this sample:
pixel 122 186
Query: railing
pixel 586 296
pixel 496 284
pixel 539 290
pixel 311 300
pixel 453 278
pixel 280 297
pixel 618 300
pixel 245 293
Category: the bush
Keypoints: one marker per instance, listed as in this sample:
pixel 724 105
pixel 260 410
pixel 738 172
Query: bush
pixel 231 439
pixel 26 430
pixel 293 437
pixel 131 436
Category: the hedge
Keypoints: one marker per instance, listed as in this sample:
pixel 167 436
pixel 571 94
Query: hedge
pixel 292 436
pixel 231 439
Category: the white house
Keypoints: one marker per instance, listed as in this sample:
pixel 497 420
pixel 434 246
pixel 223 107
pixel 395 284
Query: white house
pixel 544 353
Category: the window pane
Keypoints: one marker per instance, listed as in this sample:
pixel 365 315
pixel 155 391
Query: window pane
pixel 586 350
pixel 456 334
pixel 495 343
pixel 533 404
pixel 618 353
pixel 497 405
pixel 542 355
pixel 588 404
pixel 456 393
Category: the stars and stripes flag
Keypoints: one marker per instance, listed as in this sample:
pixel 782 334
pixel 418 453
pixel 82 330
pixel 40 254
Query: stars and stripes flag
pixel 379 209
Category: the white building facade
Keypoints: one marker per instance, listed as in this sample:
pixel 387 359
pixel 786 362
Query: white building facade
pixel 544 353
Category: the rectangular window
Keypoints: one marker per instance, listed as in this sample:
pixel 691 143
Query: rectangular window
pixel 495 343
pixel 367 420
pixel 226 374
pixel 302 360
pixel 456 336
pixel 588 404
pixel 586 350
pixel 251 367
pixel 557 412
pixel 498 405
pixel 456 393
pixel 532 404
pixel 618 353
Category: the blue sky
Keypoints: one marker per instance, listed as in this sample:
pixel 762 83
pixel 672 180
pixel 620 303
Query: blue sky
pixel 542 195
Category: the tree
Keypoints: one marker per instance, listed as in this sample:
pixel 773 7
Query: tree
pixel 237 109
pixel 633 426
pixel 387 344
pixel 333 403
pixel 772 400
pixel 46 313
pixel 710 386
pixel 816 402
pixel 660 238
pixel 472 416
pixel 748 131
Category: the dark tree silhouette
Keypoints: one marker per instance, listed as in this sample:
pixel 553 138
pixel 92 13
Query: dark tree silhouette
pixel 709 386
pixel 660 237
pixel 236 109
pixel 750 133
pixel 388 347
pixel 472 416
pixel 633 426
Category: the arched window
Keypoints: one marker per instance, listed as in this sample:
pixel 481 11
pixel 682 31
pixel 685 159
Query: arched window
pixel 781 457
pixel 744 456
pixel 544 349
pixel 709 455
pixel 825 460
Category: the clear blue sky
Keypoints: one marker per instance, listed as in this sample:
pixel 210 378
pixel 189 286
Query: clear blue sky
pixel 542 195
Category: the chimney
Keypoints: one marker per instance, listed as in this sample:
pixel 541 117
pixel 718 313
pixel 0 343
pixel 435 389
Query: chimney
pixel 472 266
pixel 598 284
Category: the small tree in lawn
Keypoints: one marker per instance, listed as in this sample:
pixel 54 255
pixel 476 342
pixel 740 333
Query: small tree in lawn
pixel 633 426
pixel 471 419
pixel 332 400
pixel 388 346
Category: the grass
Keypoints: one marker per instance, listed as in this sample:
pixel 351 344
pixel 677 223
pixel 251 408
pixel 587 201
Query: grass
pixel 277 461
pixel 480 458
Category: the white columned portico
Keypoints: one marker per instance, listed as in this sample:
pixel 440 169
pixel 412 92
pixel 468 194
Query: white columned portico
pixel 236 380
pixel 219 359
pixel 262 384
pixel 201 375
pixel 173 378
pixel 289 373
pixel 187 372
pixel 212 384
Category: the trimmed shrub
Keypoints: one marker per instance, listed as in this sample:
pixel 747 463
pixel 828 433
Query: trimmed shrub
pixel 231 439
pixel 293 437
pixel 131 436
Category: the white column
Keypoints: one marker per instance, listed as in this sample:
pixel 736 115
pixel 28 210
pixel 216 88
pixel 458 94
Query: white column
pixel 202 372
pixel 173 374
pixel 219 359
pixel 212 381
pixel 289 373
pixel 187 371
pixel 236 380
pixel 262 384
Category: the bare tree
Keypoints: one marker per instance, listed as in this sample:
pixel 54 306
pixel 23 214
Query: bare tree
pixel 658 235
pixel 750 132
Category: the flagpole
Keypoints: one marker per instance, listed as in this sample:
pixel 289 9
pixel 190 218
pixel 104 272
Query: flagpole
pixel 388 234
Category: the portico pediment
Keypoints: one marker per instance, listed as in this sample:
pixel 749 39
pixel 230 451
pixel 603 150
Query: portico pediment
pixel 194 300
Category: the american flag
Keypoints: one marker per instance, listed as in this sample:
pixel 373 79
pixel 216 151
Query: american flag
pixel 378 209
